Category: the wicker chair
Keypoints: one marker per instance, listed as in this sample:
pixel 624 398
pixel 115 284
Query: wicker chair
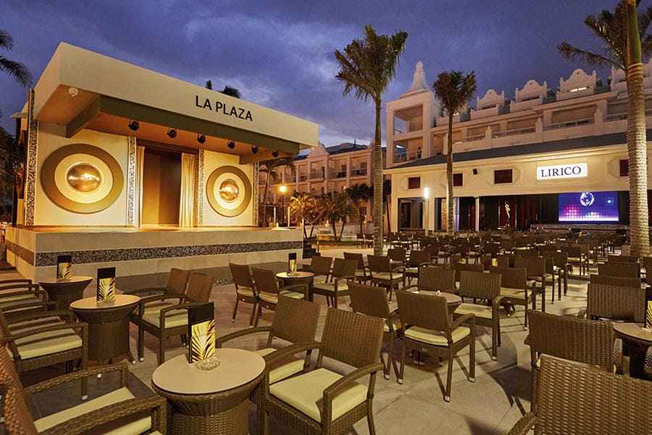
pixel 383 275
pixel 322 401
pixel 372 301
pixel 459 268
pixel 177 284
pixel 321 267
pixel 397 258
pixel 427 328
pixel 515 290
pixel 361 270
pixel 119 409
pixel 435 278
pixel 34 345
pixel 16 293
pixel 417 260
pixel 622 259
pixel 615 281
pixel 336 287
pixel 575 257
pixel 268 291
pixel 562 266
pixel 505 260
pixel 482 287
pixel 163 318
pixel 631 270
pixel 537 275
pixel 244 289
pixel 616 303
pixel 570 338
pixel 579 400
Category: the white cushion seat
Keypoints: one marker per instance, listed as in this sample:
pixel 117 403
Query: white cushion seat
pixel 412 270
pixel 283 371
pixel 360 273
pixel 574 259
pixel 514 293
pixel 47 343
pixel 330 286
pixel 272 298
pixel 547 277
pixel 480 311
pixel 395 321
pixel 23 297
pixel 386 276
pixel 436 338
pixel 306 392
pixel 27 325
pixel 173 318
pixel 135 427
pixel 245 291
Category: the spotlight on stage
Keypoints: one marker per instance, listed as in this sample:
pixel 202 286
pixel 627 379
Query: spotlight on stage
pixel 275 154
pixel 172 133
pixel 201 138
pixel 134 125
pixel 254 149
pixel 231 145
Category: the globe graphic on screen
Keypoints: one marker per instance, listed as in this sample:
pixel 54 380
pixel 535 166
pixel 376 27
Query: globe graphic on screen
pixel 587 199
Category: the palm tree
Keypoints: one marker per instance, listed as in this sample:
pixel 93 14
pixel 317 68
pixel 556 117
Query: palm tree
pixel 367 66
pixel 305 208
pixel 228 90
pixel 624 41
pixel 453 89
pixel 271 167
pixel 387 194
pixel 11 67
pixel 336 207
pixel 359 194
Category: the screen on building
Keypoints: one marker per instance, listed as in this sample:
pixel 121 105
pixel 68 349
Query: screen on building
pixel 588 207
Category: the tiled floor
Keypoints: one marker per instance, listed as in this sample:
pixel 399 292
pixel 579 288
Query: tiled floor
pixel 491 405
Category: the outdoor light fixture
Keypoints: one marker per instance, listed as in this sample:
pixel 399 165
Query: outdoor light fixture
pixel 275 154
pixel 254 149
pixel 283 188
pixel 172 133
pixel 201 138
pixel 134 125
pixel 426 193
pixel 231 145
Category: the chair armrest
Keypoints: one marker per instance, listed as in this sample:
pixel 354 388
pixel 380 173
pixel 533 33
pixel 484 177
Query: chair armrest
pixel 86 422
pixel 76 326
pixel 524 425
pixel 340 385
pixel 23 292
pixel 495 303
pixel 228 337
pixel 182 306
pixel 15 281
pixel 290 350
pixel 470 318
pixel 163 290
pixel 345 278
pixel 8 310
pixel 80 374
pixel 34 315
pixel 157 298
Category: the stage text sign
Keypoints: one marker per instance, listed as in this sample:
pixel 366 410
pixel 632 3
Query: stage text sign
pixel 573 170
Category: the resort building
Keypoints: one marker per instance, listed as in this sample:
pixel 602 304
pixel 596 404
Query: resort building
pixel 544 155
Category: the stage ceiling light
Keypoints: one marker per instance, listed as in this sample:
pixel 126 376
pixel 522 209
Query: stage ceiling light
pixel 201 138
pixel 275 154
pixel 254 149
pixel 172 133
pixel 134 125
pixel 231 144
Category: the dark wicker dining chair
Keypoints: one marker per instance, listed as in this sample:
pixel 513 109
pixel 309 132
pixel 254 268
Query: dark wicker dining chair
pixel 383 275
pixel 630 270
pixel 176 284
pixel 324 402
pixel 244 289
pixel 618 281
pixel 361 273
pixel 616 303
pixel 417 260
pixel 435 278
pixel 268 291
pixel 337 286
pixel 514 288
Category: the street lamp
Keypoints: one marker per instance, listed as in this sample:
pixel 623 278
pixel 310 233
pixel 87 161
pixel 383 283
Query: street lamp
pixel 426 196
pixel 283 190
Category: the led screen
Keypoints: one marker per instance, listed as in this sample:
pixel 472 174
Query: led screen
pixel 588 207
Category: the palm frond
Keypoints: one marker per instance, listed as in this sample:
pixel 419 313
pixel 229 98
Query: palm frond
pixel 590 57
pixel 16 69
pixel 6 41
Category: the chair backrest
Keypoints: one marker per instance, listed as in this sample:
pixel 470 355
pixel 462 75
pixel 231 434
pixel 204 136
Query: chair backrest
pixel 352 338
pixel 506 260
pixel 343 267
pixel 616 303
pixel 536 266
pixel 241 274
pixel 630 270
pixel 17 416
pixel 424 311
pixel 200 286
pixel 359 258
pixel 647 263
pixel 436 279
pixel 480 285
pixel 460 267
pixel 572 338
pixel 178 280
pixel 561 259
pixel 265 280
pixel 397 254
pixel 320 265
pixel 622 259
pixel 295 320
pixel 511 277
pixel 574 251
pixel 418 257
pixel 619 281
pixel 369 300
pixel 379 263
pixel 575 399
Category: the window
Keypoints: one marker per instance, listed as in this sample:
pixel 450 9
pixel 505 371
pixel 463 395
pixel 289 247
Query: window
pixel 624 168
pixel 414 183
pixel 503 176
pixel 458 180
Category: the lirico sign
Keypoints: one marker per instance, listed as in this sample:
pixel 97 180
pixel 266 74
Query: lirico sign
pixel 573 170
pixel 223 108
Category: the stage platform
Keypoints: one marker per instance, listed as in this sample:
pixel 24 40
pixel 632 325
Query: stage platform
pixel 144 256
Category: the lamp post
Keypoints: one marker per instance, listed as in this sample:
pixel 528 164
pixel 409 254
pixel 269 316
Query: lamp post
pixel 282 190
pixel 426 196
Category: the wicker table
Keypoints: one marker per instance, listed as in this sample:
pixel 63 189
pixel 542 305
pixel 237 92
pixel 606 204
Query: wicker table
pixel 66 291
pixel 637 340
pixel 300 277
pixel 108 326
pixel 210 402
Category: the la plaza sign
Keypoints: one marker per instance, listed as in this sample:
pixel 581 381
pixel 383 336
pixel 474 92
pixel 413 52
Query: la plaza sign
pixel 573 170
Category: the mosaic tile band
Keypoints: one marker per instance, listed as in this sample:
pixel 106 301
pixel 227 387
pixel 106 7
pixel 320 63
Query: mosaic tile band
pixel 20 252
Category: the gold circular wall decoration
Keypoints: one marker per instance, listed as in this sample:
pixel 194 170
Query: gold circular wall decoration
pixel 82 178
pixel 228 191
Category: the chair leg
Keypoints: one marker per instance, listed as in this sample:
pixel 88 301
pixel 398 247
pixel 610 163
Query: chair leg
pixel 252 315
pixel 258 314
pixel 370 419
pixel 400 375
pixel 472 356
pixel 141 343
pixel 161 349
pixel 235 310
pixel 449 380
pixel 494 342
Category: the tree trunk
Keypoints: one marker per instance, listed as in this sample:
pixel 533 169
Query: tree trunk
pixel 378 185
pixel 639 231
pixel 450 211
pixel 342 230
pixel 334 226
pixel 360 219
pixel 389 221
pixel 265 200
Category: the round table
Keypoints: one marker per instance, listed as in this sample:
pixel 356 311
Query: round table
pixel 210 402
pixel 452 300
pixel 65 291
pixel 638 340
pixel 300 277
pixel 108 326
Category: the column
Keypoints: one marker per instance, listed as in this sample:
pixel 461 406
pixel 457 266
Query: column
pixel 477 213
pixel 348 171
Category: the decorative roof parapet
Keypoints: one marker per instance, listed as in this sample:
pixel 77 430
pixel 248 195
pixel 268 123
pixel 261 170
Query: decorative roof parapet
pixel 419 82
pixel 530 95
pixel 579 84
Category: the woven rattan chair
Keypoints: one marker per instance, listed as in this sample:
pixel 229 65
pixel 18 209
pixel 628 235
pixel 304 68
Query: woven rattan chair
pixel 538 276
pixel 20 294
pixel 373 301
pixel 427 328
pixel 244 289
pixel 562 268
pixel 337 287
pixel 397 258
pixel 323 401
pixel 515 290
pixel 505 260
pixel 630 270
pixel 616 303
pixel 383 275
pixel 163 318
pixel 647 264
pixel 177 284
pixel 580 400
pixel 417 260
pixel 361 273
pixel 459 268
pixel 321 267
pixel 435 278
pixel 575 257
pixel 268 291
pixel 570 338
pixel 615 281
pixel 484 290
pixel 118 410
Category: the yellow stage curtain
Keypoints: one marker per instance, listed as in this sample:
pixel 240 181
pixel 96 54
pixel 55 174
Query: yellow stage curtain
pixel 188 186
pixel 140 166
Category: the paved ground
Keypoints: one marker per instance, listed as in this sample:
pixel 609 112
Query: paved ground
pixel 491 405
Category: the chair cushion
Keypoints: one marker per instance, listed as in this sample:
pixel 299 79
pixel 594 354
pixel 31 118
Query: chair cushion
pixel 574 259
pixel 27 325
pixel 412 270
pixel 514 293
pixel 436 337
pixel 396 322
pixel 548 277
pixel 173 318
pixel 283 371
pixel 360 273
pixel 133 428
pixel 23 298
pixel 246 291
pixel 306 392
pixel 386 276
pixel 271 298
pixel 47 343
pixel 481 311
pixel 330 286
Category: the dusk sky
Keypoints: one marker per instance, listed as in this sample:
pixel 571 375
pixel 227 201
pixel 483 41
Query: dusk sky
pixel 280 53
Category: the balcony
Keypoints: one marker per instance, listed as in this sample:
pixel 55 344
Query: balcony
pixel 570 124
pixel 406 156
pixel 623 116
pixel 513 132
pixel 290 178
pixel 338 174
pixel 317 175
pixel 303 178
pixel 362 172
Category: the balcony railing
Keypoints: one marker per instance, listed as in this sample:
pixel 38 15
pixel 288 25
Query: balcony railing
pixel 316 175
pixel 303 178
pixel 569 124
pixel 513 132
pixel 359 172
pixel 405 156
pixel 338 174
pixel 623 116
pixel 475 137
